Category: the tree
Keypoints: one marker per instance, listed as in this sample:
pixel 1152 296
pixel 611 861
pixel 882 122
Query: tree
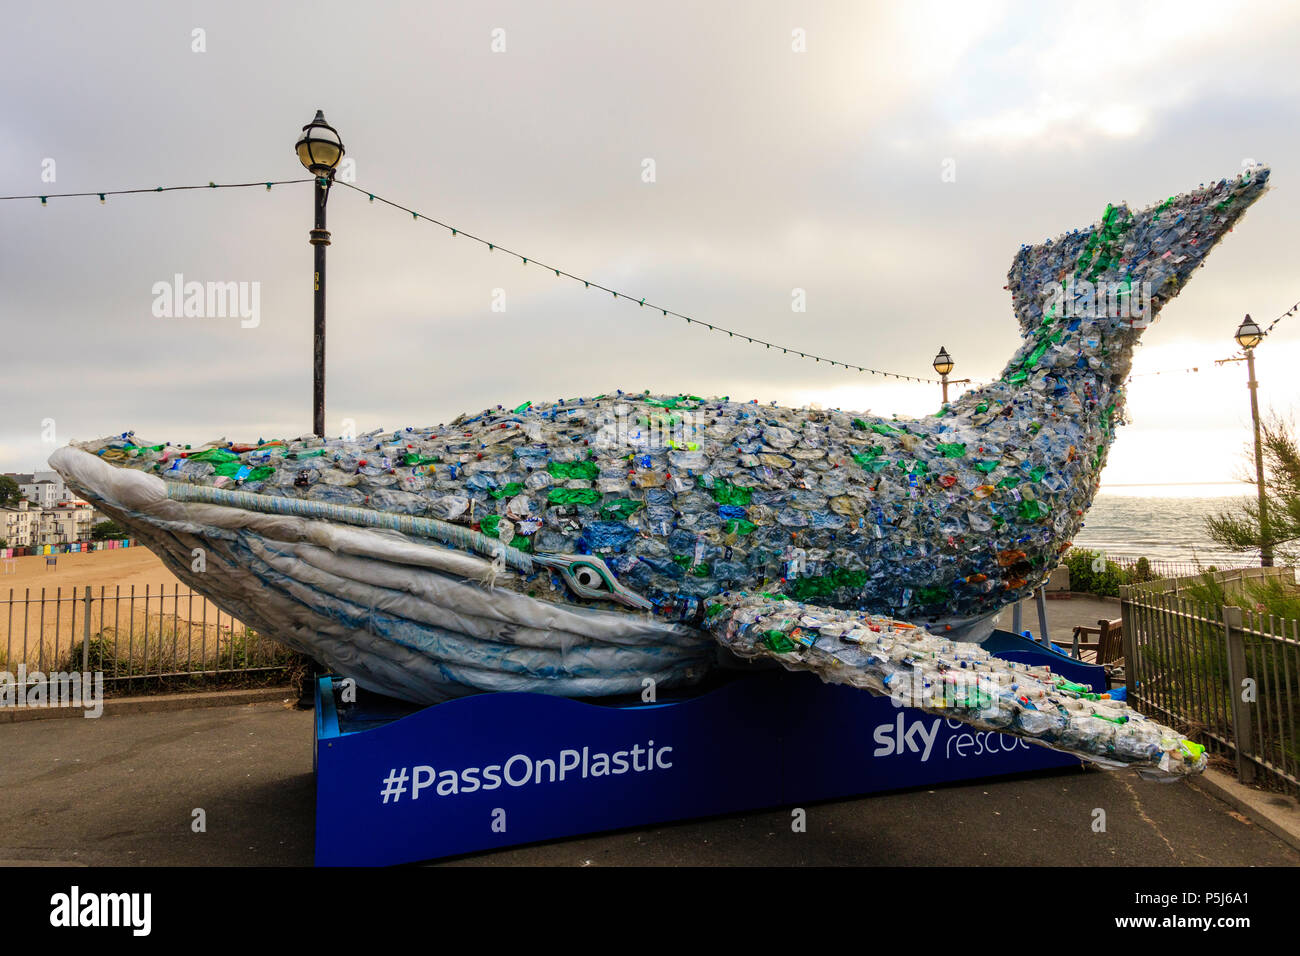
pixel 9 492
pixel 107 529
pixel 1240 530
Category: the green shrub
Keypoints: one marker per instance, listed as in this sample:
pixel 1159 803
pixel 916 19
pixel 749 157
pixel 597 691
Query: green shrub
pixel 107 530
pixel 1264 597
pixel 1105 582
pixel 1083 577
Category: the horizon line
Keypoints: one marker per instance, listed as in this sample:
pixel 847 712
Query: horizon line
pixel 1173 484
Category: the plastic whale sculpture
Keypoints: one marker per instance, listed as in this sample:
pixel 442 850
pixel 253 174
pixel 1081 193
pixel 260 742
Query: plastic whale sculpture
pixel 582 546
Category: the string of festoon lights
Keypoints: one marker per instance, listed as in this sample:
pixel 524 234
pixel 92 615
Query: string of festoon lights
pixel 640 301
pixel 1168 371
pixel 105 193
pixel 493 246
pixel 587 283
pixel 1194 369
pixel 1290 311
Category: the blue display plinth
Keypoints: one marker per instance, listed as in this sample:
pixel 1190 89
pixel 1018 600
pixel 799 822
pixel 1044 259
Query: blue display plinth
pixel 396 785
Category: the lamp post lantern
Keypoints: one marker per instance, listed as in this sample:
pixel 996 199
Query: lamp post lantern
pixel 1248 336
pixel 943 364
pixel 319 149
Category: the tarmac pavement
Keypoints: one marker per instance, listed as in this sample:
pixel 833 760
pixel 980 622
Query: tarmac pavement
pixel 122 790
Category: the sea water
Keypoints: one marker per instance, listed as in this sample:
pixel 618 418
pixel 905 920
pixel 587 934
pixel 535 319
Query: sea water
pixel 1160 523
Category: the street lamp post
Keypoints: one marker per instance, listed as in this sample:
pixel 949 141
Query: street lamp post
pixel 319 149
pixel 943 364
pixel 1248 336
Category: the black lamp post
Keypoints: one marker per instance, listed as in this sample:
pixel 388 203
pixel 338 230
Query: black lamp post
pixel 943 364
pixel 320 149
pixel 1248 336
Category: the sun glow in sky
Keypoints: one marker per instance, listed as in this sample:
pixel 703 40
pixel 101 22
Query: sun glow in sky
pixel 776 170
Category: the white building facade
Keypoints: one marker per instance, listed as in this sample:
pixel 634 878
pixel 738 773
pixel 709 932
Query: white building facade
pixel 20 524
pixel 47 513
pixel 44 489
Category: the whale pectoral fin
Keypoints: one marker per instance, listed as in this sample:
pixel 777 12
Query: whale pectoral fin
pixel 948 678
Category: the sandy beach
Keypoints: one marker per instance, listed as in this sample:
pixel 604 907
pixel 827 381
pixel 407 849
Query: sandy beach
pixel 122 567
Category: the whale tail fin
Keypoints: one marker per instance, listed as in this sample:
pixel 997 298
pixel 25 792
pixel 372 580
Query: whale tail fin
pixel 1131 262
pixel 956 680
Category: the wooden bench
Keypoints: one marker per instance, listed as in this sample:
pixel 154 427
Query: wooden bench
pixel 1107 650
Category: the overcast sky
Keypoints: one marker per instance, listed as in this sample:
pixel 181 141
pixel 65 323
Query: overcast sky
pixel 775 169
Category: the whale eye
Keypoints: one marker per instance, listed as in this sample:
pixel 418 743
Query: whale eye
pixel 587 576
pixel 589 580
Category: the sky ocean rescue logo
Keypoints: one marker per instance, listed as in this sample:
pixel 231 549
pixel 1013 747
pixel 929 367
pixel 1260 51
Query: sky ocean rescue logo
pixel 919 736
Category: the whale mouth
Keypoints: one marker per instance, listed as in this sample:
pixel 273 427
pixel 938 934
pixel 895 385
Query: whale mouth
pixel 407 617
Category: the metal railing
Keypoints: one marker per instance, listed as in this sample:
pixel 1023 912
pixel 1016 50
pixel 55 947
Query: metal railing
pixel 1227 676
pixel 1161 568
pixel 129 635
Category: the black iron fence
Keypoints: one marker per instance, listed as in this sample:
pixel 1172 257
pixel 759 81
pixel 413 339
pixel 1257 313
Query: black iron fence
pixel 1227 676
pixel 133 636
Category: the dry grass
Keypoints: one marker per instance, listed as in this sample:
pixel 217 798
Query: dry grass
pixel 163 644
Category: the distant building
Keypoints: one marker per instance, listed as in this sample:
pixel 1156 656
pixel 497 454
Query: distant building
pixel 66 522
pixel 45 489
pixel 47 513
pixel 20 524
